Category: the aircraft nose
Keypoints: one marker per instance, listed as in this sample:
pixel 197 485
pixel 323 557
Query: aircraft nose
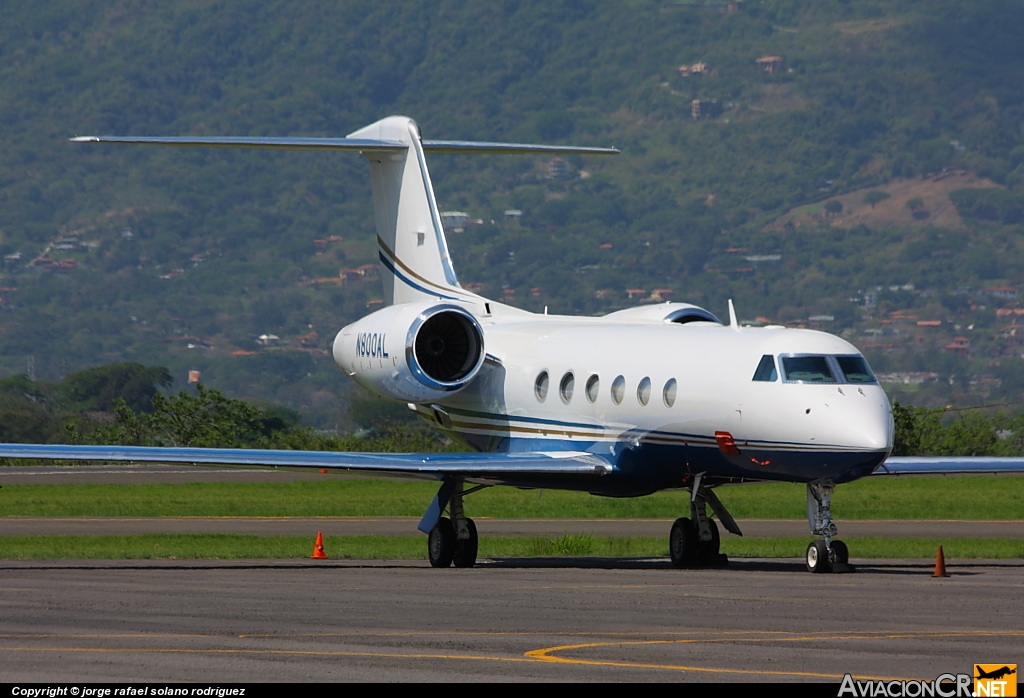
pixel 874 426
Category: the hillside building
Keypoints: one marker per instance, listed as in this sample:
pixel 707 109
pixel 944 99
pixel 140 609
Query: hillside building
pixel 454 219
pixel 771 64
pixel 559 169
pixel 705 108
pixel 1005 292
pixel 959 345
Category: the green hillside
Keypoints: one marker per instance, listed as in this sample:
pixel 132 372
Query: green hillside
pixel 184 258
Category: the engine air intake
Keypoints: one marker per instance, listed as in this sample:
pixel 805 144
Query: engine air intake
pixel 448 346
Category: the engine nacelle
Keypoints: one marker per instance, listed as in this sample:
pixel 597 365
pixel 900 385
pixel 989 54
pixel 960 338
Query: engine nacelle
pixel 415 352
pixel 676 313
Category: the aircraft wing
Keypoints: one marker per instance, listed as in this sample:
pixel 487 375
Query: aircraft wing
pixel 484 466
pixel 948 465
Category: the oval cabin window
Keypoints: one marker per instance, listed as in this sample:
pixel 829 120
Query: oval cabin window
pixel 566 387
pixel 643 391
pixel 540 386
pixel 618 390
pixel 669 393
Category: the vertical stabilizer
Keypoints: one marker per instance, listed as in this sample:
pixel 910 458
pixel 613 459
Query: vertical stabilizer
pixel 413 250
pixel 412 247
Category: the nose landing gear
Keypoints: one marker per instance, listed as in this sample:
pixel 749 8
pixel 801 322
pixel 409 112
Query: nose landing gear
pixel 827 554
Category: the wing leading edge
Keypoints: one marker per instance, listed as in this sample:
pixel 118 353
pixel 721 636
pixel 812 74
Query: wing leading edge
pixel 494 466
pixel 948 465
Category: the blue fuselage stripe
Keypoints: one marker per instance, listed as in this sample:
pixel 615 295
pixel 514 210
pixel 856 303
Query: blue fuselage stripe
pixel 540 421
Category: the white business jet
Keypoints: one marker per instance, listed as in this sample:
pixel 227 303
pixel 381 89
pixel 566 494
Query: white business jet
pixel 644 399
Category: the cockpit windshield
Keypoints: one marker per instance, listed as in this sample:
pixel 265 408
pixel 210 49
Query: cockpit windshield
pixel 855 369
pixel 807 369
pixel 766 369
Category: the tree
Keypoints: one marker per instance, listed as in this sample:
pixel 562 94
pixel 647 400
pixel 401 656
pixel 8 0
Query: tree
pixel 208 419
pixel 875 196
pixel 833 207
pixel 98 388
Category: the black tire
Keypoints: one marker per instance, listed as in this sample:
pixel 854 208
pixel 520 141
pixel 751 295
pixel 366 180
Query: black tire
pixel 682 543
pixel 707 553
pixel 842 553
pixel 441 543
pixel 816 558
pixel 465 550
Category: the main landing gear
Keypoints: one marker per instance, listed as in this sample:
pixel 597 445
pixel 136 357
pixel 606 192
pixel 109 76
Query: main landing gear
pixel 452 540
pixel 696 541
pixel 827 554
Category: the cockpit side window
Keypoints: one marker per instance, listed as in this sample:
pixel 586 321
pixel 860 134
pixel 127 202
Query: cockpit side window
pixel 807 369
pixel 855 369
pixel 766 369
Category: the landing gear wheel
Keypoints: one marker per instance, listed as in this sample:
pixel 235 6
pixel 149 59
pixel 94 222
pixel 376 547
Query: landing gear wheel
pixel 682 543
pixel 841 553
pixel 710 553
pixel 441 543
pixel 817 557
pixel 465 550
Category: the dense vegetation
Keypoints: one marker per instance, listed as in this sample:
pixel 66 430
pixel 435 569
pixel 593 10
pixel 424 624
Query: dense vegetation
pixel 871 94
pixel 122 404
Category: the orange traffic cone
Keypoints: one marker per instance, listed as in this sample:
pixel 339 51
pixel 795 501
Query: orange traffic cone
pixel 940 564
pixel 318 549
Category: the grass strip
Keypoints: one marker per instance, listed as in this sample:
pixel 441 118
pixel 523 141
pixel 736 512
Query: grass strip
pixel 972 497
pixel 242 547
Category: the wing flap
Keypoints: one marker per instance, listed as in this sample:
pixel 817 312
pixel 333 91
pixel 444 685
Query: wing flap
pixel 436 464
pixel 949 465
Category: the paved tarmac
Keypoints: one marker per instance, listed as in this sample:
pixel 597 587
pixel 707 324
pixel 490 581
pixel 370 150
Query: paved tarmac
pixel 406 526
pixel 532 619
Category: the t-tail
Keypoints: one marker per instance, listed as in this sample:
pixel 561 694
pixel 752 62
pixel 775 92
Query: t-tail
pixel 411 244
pixel 413 250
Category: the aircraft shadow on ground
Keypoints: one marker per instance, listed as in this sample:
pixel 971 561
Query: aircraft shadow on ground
pixel 895 567
pixel 634 563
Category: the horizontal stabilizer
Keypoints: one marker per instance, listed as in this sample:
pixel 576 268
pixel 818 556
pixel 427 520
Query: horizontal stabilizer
pixel 351 144
pixel 483 147
pixel 368 145
pixel 949 465
pixel 486 466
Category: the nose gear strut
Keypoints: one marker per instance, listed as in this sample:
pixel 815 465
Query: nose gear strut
pixel 828 554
